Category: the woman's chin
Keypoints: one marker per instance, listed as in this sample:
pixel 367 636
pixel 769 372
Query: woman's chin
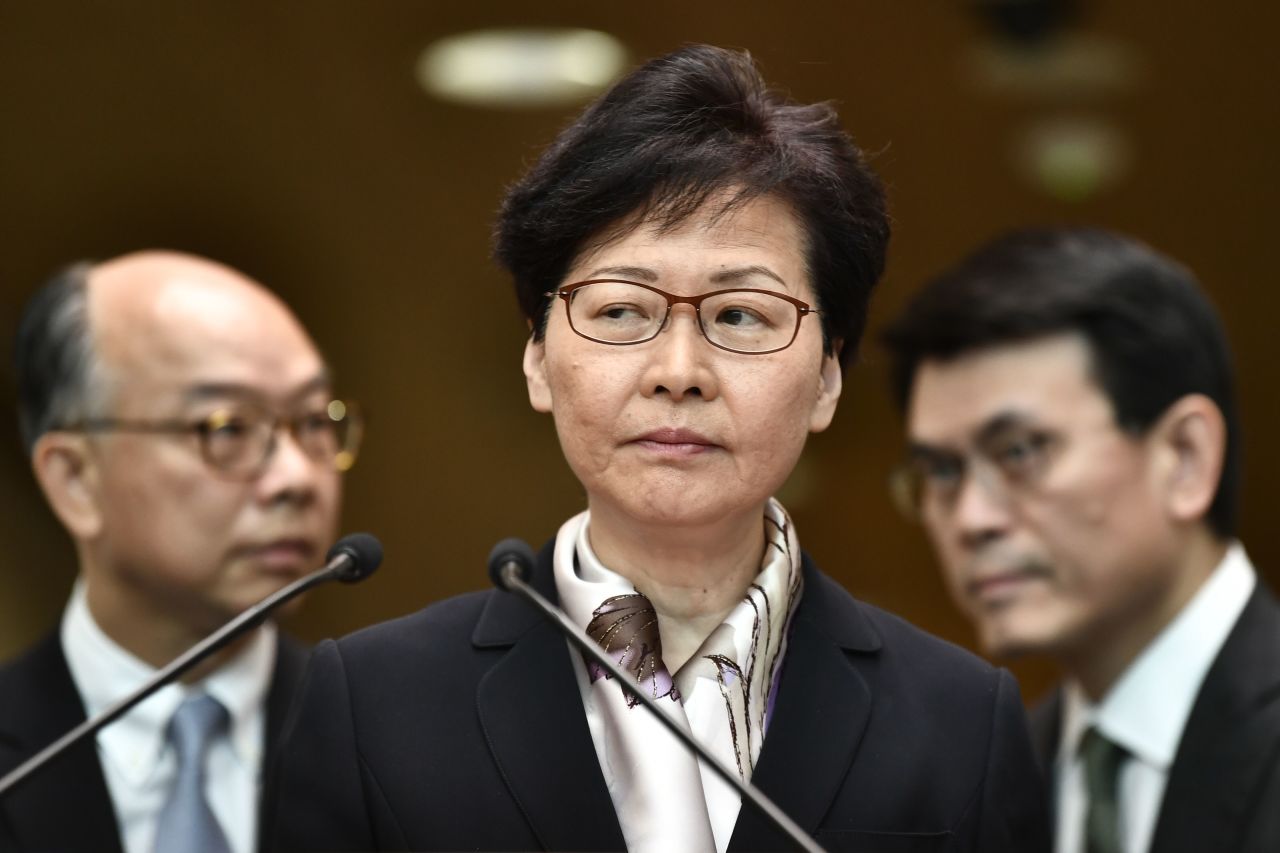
pixel 682 509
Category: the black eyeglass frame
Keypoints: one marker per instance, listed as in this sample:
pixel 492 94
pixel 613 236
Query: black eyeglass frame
pixel 565 292
pixel 202 428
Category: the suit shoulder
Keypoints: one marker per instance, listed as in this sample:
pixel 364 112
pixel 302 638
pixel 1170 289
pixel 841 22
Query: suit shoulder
pixel 37 656
pixel 925 674
pixel 1261 615
pixel 40 697
pixel 857 624
pixel 36 670
pixel 441 624
pixel 901 638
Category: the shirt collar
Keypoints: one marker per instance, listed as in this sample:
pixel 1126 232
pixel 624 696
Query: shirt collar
pixel 104 672
pixel 1172 666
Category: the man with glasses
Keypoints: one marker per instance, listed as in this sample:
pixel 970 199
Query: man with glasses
pixel 180 423
pixel 1074 457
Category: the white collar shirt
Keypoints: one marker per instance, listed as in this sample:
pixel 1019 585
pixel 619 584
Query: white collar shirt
pixel 137 761
pixel 1147 708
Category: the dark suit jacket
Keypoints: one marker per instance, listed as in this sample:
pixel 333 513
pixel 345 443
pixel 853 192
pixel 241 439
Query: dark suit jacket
pixel 65 806
pixel 1223 792
pixel 462 727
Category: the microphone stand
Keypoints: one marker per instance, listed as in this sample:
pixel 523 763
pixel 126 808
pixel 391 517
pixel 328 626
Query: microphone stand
pixel 250 618
pixel 510 575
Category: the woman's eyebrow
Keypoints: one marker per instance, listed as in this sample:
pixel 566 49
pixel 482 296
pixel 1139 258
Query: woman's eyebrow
pixel 739 273
pixel 642 273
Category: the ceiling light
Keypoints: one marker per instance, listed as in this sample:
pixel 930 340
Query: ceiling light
pixel 1073 158
pixel 521 67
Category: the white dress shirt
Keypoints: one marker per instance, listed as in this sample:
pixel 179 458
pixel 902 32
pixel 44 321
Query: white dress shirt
pixel 1146 710
pixel 138 763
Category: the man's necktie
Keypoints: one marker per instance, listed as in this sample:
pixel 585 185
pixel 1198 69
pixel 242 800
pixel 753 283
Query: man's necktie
pixel 1102 759
pixel 186 821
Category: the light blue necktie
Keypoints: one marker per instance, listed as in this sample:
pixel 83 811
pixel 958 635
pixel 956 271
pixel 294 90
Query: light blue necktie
pixel 186 821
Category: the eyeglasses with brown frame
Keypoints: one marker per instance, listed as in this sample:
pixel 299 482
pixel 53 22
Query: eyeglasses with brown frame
pixel 742 320
pixel 238 441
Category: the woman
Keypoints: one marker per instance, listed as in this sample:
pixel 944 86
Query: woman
pixel 694 255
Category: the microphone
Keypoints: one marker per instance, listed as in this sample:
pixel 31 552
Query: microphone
pixel 352 558
pixel 510 560
pixel 511 563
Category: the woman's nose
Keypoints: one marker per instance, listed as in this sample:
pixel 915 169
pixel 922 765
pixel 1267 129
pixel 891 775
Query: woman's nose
pixel 681 361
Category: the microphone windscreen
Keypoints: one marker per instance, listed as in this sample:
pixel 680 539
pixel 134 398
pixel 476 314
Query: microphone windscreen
pixel 365 552
pixel 509 551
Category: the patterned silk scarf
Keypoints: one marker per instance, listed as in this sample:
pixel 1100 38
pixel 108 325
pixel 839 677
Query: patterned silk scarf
pixel 664 799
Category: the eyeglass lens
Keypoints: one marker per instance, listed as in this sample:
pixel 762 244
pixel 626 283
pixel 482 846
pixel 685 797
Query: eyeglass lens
pixel 240 440
pixel 740 320
pixel 1005 465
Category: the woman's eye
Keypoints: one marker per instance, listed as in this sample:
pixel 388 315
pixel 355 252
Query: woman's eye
pixel 623 312
pixel 740 317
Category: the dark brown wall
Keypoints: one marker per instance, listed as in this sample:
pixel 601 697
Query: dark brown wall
pixel 290 140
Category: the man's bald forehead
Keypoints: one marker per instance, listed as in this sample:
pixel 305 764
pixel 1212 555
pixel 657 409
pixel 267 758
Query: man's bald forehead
pixel 172 317
pixel 143 287
pixel 137 272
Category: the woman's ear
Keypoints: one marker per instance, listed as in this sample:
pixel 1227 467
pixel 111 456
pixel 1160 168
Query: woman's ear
pixel 68 475
pixel 830 383
pixel 1191 438
pixel 535 375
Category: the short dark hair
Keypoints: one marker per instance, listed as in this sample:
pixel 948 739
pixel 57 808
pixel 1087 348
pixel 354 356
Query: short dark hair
pixel 53 356
pixel 671 135
pixel 1153 335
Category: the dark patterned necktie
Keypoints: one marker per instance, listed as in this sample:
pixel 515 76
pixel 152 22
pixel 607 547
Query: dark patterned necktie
pixel 1102 759
pixel 626 627
pixel 187 822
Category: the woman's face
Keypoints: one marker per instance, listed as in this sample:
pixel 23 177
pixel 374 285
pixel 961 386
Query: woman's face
pixel 675 431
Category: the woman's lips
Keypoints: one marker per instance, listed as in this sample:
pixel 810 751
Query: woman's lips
pixel 675 442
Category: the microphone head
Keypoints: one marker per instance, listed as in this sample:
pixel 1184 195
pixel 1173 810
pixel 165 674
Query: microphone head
pixel 510 551
pixel 364 552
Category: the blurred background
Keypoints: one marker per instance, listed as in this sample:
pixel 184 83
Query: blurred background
pixel 308 145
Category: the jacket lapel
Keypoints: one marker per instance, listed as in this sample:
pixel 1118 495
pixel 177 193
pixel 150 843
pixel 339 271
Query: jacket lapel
pixel 821 713
pixel 291 659
pixel 1046 729
pixel 65 805
pixel 532 715
pixel 1230 739
pixel 1046 734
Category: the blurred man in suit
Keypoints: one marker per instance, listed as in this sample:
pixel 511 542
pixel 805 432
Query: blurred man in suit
pixel 1074 457
pixel 179 421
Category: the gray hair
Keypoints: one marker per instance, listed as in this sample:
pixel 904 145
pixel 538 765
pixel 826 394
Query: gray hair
pixel 57 367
